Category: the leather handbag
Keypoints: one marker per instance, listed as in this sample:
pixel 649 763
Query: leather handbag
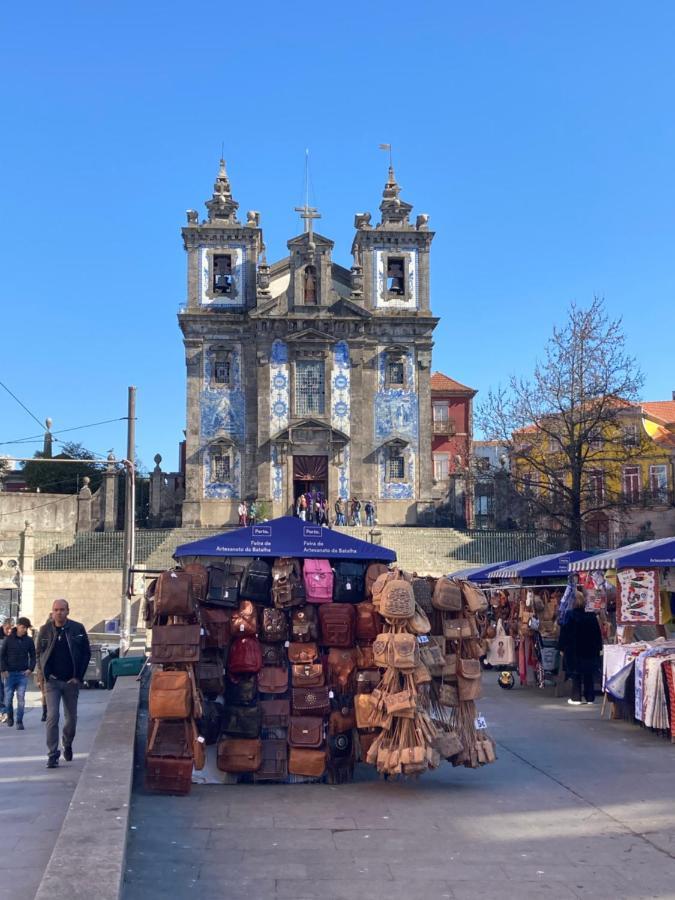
pixel 198 747
pixel 419 623
pixel 423 590
pixel 165 775
pixel 223 587
pixel 169 738
pixel 448 744
pixel 368 622
pixel 256 584
pixel 456 629
pixel 366 680
pixel 397 600
pixel 200 579
pixel 274 764
pixel 210 673
pixel 341 668
pixel 365 658
pixel 275 713
pixel 242 721
pixel 305 624
pixel 210 722
pixel 215 627
pixel 433 657
pixel 309 763
pixel 373 572
pixel 381 649
pixel 244 656
pixel 448 695
pixel 273 654
pixel 338 621
pixel 274 625
pixel 174 595
pixel 306 731
pixel 447 595
pixel 286 576
pixel 239 755
pixel 307 675
pixel 474 598
pixel 244 622
pixel 273 680
pixel 241 690
pixel 175 644
pixel 170 695
pixel 310 701
pixel 421 675
pixel 303 653
pixel 404 651
pixel 399 703
pixel 468 679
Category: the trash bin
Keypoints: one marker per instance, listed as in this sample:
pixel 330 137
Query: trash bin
pixel 124 665
pixel 93 677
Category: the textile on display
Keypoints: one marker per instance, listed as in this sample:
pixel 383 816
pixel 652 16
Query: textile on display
pixel 639 602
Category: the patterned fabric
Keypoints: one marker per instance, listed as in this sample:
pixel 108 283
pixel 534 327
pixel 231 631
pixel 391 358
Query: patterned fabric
pixel 639 602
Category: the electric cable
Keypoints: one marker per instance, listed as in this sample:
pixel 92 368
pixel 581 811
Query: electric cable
pixel 22 405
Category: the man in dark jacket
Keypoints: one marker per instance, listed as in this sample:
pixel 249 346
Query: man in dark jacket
pixel 580 643
pixel 17 661
pixel 62 656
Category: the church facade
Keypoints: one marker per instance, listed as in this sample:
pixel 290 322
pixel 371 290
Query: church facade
pixel 303 374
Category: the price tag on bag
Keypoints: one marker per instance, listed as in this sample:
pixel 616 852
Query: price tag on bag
pixel 479 723
pixel 422 639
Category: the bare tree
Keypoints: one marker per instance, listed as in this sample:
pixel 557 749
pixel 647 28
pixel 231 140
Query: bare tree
pixel 568 422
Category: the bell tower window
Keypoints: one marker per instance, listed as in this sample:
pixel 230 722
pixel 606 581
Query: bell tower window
pixel 223 281
pixel 221 369
pixel 396 276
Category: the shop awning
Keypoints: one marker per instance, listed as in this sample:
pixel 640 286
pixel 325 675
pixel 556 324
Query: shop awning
pixel 481 573
pixel 551 565
pixel 286 536
pixel 645 554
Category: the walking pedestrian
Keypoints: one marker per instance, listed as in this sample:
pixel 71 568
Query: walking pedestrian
pixel 4 631
pixel 242 512
pixel 370 512
pixel 62 657
pixel 17 661
pixel 580 642
pixel 339 514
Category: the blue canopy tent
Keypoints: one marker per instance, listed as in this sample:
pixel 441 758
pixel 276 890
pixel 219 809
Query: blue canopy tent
pixel 286 536
pixel 481 573
pixel 657 554
pixel 552 565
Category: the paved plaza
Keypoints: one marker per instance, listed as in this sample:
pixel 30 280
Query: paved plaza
pixel 34 800
pixel 576 806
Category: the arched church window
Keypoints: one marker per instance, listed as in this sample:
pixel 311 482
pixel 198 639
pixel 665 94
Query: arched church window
pixel 222 274
pixel 396 275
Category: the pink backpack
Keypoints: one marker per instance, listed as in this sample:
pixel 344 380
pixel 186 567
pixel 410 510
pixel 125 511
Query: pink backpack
pixel 318 578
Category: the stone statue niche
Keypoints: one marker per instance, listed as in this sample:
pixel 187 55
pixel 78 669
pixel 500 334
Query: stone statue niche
pixel 310 298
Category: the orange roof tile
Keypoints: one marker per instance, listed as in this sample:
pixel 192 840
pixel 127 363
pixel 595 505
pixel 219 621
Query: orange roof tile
pixel 661 409
pixel 441 382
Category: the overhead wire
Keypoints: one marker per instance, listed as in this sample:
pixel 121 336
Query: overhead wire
pixel 22 405
pixel 35 437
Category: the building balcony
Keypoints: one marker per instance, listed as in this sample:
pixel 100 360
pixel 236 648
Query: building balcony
pixel 444 428
pixel 650 499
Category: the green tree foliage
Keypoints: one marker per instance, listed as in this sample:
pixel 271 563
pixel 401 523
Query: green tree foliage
pixel 56 477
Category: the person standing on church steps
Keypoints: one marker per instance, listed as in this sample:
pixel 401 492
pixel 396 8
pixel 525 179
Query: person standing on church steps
pixel 339 514
pixel 63 655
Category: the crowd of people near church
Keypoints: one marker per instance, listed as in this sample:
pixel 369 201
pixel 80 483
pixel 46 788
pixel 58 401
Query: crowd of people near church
pixel 313 506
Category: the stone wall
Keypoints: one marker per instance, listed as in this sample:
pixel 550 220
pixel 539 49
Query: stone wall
pixel 46 512
pixel 93 596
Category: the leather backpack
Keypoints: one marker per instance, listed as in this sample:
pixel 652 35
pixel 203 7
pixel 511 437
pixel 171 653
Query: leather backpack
pixel 404 652
pixel 200 579
pixel 273 680
pixel 223 587
pixel 338 623
pixel 474 598
pixel 170 695
pixel 239 755
pixel 245 656
pixel 305 624
pixel 303 653
pixel 256 584
pixel 349 582
pixel 447 595
pixel 174 595
pixel 216 627
pixel 245 620
pixel 422 590
pixel 274 763
pixel 242 721
pixel 209 724
pixel 368 621
pixel 169 738
pixel 274 625
pixel 318 579
pixel 210 673
pixel 273 654
pixel 397 600
pixel 175 644
pixel 373 572
pixel 286 577
pixel 241 690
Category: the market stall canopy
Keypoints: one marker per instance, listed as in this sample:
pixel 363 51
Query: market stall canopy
pixel 286 536
pixel 481 573
pixel 549 566
pixel 643 555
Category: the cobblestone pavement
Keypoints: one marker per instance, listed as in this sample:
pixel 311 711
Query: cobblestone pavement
pixel 576 806
pixel 34 800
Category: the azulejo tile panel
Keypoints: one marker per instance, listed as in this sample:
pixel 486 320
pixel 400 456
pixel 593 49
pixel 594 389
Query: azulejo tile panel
pixel 280 393
pixel 237 299
pixel 396 412
pixel 397 490
pixel 276 474
pixel 222 416
pixel 341 388
pixel 343 474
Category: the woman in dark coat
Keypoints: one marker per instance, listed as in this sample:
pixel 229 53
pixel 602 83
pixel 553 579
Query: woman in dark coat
pixel 580 643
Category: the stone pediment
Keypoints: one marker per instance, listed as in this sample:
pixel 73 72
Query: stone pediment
pixel 345 307
pixel 311 335
pixel 311 431
pixel 318 239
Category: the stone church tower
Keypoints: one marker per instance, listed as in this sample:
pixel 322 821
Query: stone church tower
pixel 304 374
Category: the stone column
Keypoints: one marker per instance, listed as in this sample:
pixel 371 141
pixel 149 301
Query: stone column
pixel 156 485
pixel 109 491
pixel 84 506
pixel 27 562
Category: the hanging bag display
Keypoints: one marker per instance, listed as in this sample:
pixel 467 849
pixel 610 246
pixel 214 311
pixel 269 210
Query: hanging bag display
pixel 405 652
pixel 242 721
pixel 239 755
pixel 244 656
pixel 256 584
pixel 305 624
pixel 241 690
pixel 303 653
pixel 447 595
pixel 275 713
pixel 274 625
pixel 286 577
pixel 310 701
pixel 474 598
pixel 306 731
pixel 223 587
pixel 307 675
pixel 174 595
pixel 273 680
pixel 200 579
pixel 349 582
pixel 468 679
pixel 368 621
pixel 274 762
pixel 318 579
pixel 175 644
pixel 501 650
pixel 338 622
pixel 245 620
pixel 170 695
pixel 215 627
pixel 397 600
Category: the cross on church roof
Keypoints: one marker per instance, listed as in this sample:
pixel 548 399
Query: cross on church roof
pixel 308 213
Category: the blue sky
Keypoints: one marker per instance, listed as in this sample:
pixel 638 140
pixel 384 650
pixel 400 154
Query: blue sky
pixel 540 138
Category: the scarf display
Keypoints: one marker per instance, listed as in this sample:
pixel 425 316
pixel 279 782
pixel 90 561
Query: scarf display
pixel 638 601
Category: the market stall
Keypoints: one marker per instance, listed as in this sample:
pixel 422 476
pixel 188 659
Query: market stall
pixel 523 624
pixel 288 652
pixel 638 674
pixel 481 574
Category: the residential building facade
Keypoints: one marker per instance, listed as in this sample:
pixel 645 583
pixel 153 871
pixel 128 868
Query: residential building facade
pixel 451 448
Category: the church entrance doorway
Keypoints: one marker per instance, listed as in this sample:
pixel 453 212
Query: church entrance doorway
pixel 310 476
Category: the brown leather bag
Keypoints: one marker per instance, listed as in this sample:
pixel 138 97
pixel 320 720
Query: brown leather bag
pixel 305 624
pixel 303 653
pixel 474 598
pixel 174 595
pixel 447 595
pixel 274 626
pixel 338 621
pixel 306 731
pixel 210 673
pixel 244 621
pixel 175 644
pixel 373 572
pixel 397 600
pixel 273 680
pixel 404 651
pixel 198 748
pixel 468 678
pixel 170 695
pixel 200 579
pixel 310 701
pixel 275 713
pixel 366 680
pixel 307 675
pixel 365 658
pixel 274 765
pixel 310 763
pixel 239 754
pixel 368 622
pixel 341 667
pixel 341 720
pixel 166 775
pixel 216 627
pixel 169 738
